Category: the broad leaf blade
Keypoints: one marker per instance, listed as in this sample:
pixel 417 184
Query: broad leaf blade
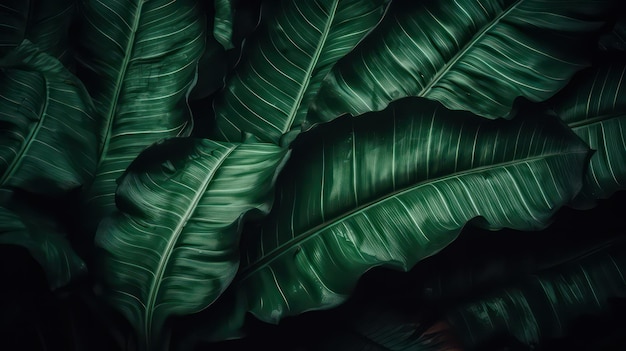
pixel 359 195
pixel 469 55
pixel 139 61
pixel 47 124
pixel 594 106
pixel 544 305
pixel 402 320
pixel 172 247
pixel 284 63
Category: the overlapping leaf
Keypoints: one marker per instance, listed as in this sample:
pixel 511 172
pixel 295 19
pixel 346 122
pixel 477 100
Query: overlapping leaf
pixel 595 108
pixel 469 55
pixel 43 22
pixel 172 247
pixel 539 305
pixel 139 61
pixel 47 123
pixel 544 305
pixel 284 63
pixel 394 187
pixel 42 236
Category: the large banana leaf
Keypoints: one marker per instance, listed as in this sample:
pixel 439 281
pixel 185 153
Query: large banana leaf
pixel 41 234
pixel 595 108
pixel 469 55
pixel 139 62
pixel 47 123
pixel 284 63
pixel 172 247
pixel 44 22
pixel 539 305
pixel 394 188
pixel 544 305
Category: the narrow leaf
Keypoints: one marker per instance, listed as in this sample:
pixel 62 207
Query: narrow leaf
pixel 395 188
pixel 172 247
pixel 284 63
pixel 223 23
pixel 47 123
pixel 469 55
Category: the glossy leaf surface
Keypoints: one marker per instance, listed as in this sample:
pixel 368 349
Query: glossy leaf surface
pixel 595 108
pixel 47 123
pixel 172 247
pixel 469 55
pixel 395 187
pixel 284 63
pixel 139 61
pixel 223 22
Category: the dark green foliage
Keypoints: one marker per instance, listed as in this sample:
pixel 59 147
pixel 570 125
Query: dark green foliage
pixel 167 167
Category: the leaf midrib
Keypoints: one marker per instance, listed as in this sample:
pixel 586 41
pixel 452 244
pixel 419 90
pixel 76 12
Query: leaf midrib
pixel 595 120
pixel 299 239
pixel 111 112
pixel 312 64
pixel 17 161
pixel 461 53
pixel 163 262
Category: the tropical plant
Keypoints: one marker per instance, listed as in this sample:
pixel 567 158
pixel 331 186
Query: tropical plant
pixel 176 167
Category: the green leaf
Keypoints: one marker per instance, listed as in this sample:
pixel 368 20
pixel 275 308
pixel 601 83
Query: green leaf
pixel 284 63
pixel 397 187
pixel 13 16
pixel 50 27
pixel 43 22
pixel 470 55
pixel 402 320
pixel 546 304
pixel 223 23
pixel 47 123
pixel 615 41
pixel 594 106
pixel 172 247
pixel 139 62
pixel 42 236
